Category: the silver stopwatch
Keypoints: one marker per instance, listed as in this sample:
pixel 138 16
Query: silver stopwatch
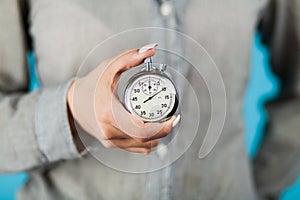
pixel 151 94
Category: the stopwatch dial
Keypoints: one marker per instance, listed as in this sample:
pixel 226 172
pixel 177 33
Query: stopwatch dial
pixel 152 97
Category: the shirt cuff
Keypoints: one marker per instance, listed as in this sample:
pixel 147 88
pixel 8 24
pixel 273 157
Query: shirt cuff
pixel 52 126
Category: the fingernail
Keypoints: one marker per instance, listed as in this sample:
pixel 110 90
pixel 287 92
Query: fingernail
pixel 175 122
pixel 147 47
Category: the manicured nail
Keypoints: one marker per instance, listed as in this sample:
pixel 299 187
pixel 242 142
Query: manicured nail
pixel 147 47
pixel 175 122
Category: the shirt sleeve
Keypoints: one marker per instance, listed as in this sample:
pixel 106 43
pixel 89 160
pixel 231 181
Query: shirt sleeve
pixel 34 129
pixel 34 126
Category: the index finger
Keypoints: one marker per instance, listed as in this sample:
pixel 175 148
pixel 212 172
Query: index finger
pixel 131 58
pixel 135 127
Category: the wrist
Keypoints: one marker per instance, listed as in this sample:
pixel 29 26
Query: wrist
pixel 70 95
pixel 76 138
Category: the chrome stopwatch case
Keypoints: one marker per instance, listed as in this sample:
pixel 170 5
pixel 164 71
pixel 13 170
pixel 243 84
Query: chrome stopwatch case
pixel 151 94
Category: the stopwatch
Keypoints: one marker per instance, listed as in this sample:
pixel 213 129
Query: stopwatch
pixel 151 94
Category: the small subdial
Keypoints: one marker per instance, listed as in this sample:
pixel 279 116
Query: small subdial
pixel 150 85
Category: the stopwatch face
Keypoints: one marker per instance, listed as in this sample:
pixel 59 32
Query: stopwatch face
pixel 151 97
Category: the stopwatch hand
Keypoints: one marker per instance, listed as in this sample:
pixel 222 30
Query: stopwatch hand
pixel 152 96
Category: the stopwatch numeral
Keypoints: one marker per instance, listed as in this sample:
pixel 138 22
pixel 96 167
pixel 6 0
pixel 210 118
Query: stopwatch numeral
pixel 167 97
pixel 143 112
pixel 134 99
pixel 159 112
pixel 164 105
pixel 151 114
pixel 136 90
pixel 138 107
pixel 158 83
pixel 164 89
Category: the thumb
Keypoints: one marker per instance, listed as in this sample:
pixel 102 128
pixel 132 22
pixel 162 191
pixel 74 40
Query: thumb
pixel 131 58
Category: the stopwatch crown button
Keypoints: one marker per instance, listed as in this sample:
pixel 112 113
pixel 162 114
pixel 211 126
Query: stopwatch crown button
pixel 162 67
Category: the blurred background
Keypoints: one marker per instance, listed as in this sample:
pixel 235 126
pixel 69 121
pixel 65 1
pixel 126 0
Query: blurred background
pixel 263 86
pixel 268 104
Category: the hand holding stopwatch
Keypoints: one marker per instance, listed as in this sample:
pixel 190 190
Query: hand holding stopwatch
pixel 151 94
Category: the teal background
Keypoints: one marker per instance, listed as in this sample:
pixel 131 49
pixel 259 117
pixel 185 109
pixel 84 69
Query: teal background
pixel 262 86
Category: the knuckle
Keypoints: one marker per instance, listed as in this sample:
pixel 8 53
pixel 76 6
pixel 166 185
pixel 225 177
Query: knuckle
pixel 154 143
pixel 143 135
pixel 108 132
pixel 108 135
pixel 148 133
pixel 104 117
pixel 142 140
pixel 166 130
pixel 148 144
pixel 146 139
pixel 147 150
pixel 107 144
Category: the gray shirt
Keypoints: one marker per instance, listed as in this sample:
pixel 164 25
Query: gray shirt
pixel 34 129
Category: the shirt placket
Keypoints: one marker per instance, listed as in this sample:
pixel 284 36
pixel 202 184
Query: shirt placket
pixel 166 14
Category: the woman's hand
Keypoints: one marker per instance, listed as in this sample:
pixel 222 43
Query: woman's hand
pixel 94 105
